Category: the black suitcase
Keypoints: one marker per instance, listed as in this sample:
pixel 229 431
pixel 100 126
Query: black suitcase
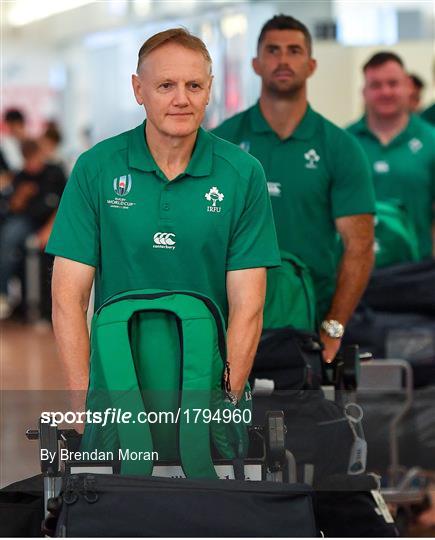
pixel 128 506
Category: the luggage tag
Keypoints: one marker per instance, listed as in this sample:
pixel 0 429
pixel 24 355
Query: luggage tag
pixel 382 507
pixel 263 387
pixel 358 453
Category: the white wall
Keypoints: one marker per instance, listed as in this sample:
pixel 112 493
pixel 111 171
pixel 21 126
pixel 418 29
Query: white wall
pixel 84 78
pixel 335 90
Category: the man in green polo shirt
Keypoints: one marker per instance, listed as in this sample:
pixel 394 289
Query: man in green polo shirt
pixel 400 146
pixel 165 206
pixel 317 175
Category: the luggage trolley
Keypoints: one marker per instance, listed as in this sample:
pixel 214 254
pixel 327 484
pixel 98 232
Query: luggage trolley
pixel 268 459
pixel 405 489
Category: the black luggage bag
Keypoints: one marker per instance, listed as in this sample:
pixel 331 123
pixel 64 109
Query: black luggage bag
pixel 347 509
pixel 290 357
pixel 318 432
pixel 403 288
pixel 318 435
pixel 22 508
pixel 128 506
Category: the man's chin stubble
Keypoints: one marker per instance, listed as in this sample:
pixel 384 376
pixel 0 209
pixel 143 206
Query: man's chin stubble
pixel 284 93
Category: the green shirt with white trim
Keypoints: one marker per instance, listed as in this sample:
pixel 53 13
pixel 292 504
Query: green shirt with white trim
pixel 315 176
pixel 120 214
pixel 404 169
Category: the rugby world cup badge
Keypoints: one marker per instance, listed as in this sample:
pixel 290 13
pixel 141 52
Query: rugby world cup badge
pixel 122 185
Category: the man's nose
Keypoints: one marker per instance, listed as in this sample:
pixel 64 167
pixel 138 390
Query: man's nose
pixel 283 63
pixel 386 90
pixel 180 97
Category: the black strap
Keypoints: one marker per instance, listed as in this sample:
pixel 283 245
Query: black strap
pixel 239 468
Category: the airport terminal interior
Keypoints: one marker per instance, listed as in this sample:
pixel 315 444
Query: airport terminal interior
pixel 66 69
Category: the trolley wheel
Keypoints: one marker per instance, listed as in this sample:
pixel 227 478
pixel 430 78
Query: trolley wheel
pixel 275 440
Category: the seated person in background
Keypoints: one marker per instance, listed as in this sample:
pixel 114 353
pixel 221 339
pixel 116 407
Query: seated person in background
pixel 417 87
pixel 400 146
pixel 33 203
pixel 4 167
pixel 6 177
pixel 15 123
pixel 50 142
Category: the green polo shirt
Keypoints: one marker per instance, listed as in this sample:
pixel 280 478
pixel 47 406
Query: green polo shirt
pixel 429 114
pixel 120 214
pixel 315 176
pixel 404 169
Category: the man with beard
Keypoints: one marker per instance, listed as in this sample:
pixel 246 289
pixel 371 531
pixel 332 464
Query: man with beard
pixel 317 174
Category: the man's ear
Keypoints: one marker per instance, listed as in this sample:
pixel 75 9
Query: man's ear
pixel 313 66
pixel 256 65
pixel 136 83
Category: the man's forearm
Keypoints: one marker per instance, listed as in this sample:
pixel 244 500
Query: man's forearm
pixel 244 331
pixel 353 275
pixel 70 327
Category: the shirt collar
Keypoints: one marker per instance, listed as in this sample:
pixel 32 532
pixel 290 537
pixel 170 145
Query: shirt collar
pixel 361 127
pixel 304 130
pixel 201 162
pixel 140 157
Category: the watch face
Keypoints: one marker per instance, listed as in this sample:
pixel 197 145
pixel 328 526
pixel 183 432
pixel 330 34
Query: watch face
pixel 333 328
pixel 338 329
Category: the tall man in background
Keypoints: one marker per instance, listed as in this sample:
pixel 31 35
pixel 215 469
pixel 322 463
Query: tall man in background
pixel 399 145
pixel 318 177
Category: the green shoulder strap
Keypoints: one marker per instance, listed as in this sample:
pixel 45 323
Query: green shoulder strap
pixel 290 296
pixel 202 359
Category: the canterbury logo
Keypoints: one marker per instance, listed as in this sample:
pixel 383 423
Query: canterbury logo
pixel 164 240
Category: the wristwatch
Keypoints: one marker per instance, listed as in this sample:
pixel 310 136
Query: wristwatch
pixel 333 329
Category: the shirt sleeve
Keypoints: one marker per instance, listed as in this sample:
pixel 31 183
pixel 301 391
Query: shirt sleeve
pixel 253 242
pixel 352 189
pixel 75 233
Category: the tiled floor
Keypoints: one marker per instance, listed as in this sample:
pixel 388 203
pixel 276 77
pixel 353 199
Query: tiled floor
pixel 31 380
